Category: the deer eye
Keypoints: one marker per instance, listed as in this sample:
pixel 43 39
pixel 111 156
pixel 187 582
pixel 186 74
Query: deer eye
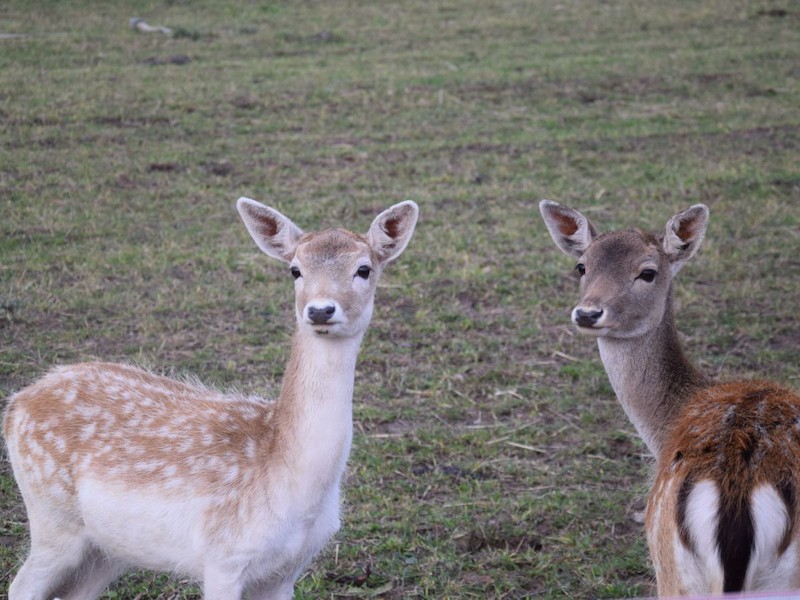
pixel 364 271
pixel 648 275
pixel 295 272
pixel 580 269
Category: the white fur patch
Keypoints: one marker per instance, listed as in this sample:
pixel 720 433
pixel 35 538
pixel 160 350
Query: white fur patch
pixel 701 571
pixel 767 570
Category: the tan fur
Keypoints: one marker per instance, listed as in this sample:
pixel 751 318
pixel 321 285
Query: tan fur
pixel 120 467
pixel 102 417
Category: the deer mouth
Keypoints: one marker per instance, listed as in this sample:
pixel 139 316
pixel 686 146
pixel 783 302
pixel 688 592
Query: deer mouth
pixel 327 328
pixel 320 327
pixel 335 328
pixel 592 330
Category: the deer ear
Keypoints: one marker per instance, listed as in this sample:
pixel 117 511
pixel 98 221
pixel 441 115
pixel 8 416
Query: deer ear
pixel 391 230
pixel 684 234
pixel 272 232
pixel 570 230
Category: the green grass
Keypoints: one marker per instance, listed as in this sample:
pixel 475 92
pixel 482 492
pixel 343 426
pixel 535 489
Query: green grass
pixel 490 457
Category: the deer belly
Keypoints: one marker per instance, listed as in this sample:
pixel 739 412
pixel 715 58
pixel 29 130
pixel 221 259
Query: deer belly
pixel 148 528
pixel 144 529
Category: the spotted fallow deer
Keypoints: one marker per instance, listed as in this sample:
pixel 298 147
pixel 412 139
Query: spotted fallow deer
pixel 722 514
pixel 119 467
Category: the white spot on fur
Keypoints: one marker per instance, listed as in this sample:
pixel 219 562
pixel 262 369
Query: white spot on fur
pixel 57 441
pixel 86 462
pixel 231 475
pixel 88 431
pixel 70 395
pixel 165 431
pixel 250 449
pixel 64 477
pixel 88 411
pixel 36 449
pixel 49 466
pixel 149 465
pixel 106 449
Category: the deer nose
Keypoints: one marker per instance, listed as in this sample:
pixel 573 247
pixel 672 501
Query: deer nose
pixel 319 315
pixel 586 317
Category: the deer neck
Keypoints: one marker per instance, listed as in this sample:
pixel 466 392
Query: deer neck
pixel 652 379
pixel 314 412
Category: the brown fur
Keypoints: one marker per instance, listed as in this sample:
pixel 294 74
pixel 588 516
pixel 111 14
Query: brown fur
pixel 739 435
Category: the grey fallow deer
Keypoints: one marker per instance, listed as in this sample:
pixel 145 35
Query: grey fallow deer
pixel 722 513
pixel 122 468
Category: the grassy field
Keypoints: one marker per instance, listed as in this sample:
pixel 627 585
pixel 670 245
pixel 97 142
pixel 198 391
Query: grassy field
pixel 491 459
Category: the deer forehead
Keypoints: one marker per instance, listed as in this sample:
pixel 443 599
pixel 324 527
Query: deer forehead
pixel 620 252
pixel 332 248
